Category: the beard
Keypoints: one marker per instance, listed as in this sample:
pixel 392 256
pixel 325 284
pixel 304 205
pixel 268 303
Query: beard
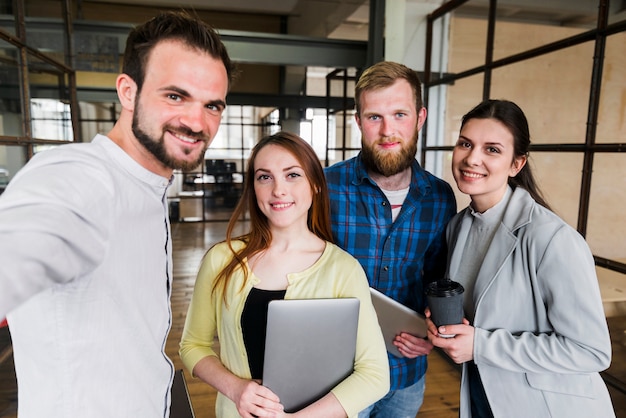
pixel 156 146
pixel 388 163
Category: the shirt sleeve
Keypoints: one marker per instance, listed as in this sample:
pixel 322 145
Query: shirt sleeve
pixel 201 323
pixel 54 226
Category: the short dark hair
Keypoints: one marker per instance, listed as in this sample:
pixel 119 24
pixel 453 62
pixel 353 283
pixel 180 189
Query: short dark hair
pixel 177 25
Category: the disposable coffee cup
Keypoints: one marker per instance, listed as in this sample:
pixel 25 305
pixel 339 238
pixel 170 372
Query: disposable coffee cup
pixel 445 300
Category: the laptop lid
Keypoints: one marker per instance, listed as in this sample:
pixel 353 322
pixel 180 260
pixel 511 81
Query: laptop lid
pixel 394 318
pixel 310 348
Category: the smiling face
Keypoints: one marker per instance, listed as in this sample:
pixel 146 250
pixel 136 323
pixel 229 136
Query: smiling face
pixel 389 123
pixel 483 160
pixel 282 189
pixel 178 110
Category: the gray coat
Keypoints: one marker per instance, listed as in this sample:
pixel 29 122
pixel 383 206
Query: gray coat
pixel 541 336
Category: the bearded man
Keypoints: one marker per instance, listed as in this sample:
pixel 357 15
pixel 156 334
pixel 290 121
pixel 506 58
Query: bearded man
pixel 391 215
pixel 86 277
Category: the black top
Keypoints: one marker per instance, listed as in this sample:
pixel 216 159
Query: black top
pixel 478 397
pixel 254 326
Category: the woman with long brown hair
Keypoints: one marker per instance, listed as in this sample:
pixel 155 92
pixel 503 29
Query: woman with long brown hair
pixel 287 254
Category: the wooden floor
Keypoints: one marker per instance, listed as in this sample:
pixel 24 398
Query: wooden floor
pixel 190 241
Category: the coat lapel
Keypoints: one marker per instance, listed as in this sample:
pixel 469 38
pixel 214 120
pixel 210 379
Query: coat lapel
pixel 517 214
pixel 456 242
pixel 501 248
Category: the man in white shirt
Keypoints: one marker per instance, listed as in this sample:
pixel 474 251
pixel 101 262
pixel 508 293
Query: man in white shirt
pixel 86 270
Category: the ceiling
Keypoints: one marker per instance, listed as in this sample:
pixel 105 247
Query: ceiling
pixel 318 18
pixel 248 6
pixel 348 19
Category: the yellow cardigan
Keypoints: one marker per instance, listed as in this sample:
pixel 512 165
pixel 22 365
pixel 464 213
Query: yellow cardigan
pixel 335 274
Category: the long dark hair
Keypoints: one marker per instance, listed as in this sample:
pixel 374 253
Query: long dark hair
pixel 511 116
pixel 259 237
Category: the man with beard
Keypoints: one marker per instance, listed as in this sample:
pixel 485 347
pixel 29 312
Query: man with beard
pixel 391 214
pixel 86 274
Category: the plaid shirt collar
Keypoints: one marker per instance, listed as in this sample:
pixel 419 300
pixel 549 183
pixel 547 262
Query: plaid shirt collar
pixel 419 183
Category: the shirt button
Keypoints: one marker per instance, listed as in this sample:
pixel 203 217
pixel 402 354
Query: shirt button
pixel 386 268
pixel 384 203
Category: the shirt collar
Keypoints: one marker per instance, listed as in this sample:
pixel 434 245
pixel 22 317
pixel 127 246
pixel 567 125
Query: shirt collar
pixel 132 166
pixel 360 172
pixel 419 182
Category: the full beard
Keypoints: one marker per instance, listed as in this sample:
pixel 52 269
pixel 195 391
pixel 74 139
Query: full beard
pixel 388 163
pixel 156 146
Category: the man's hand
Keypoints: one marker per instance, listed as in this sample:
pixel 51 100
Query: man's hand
pixel 411 346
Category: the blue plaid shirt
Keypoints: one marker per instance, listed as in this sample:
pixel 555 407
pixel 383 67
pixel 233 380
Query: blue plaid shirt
pixel 397 256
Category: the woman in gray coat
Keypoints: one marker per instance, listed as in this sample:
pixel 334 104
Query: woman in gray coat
pixel 535 335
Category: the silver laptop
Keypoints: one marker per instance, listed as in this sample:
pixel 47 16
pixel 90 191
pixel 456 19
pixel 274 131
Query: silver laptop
pixel 310 348
pixel 394 318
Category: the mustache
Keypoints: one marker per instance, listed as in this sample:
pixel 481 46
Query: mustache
pixel 185 131
pixel 387 140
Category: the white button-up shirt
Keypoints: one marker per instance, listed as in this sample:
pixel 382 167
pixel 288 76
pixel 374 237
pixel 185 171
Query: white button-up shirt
pixel 85 278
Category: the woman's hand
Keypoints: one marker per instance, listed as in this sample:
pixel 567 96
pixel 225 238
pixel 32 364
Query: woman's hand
pixel 249 396
pixel 459 348
pixel 254 400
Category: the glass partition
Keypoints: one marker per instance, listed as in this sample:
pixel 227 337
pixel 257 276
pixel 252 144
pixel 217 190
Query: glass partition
pixel 611 121
pixel 344 137
pixel 41 26
pixel 97 118
pixel 11 123
pixel 471 33
pixel 607 226
pixel 548 89
pixel 612 290
pixel 558 174
pixel 49 106
pixel 514 37
pixel 462 96
pixel 12 159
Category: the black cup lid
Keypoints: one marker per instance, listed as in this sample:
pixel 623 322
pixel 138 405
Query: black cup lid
pixel 444 288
